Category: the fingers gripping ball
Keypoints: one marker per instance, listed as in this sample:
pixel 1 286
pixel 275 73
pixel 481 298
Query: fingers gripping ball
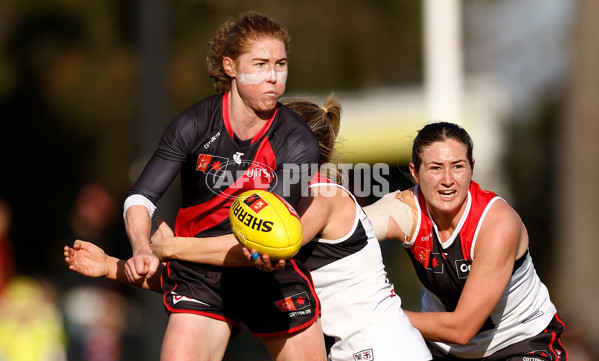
pixel 265 222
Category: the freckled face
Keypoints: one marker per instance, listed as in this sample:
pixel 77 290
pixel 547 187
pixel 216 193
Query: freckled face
pixel 261 74
pixel 444 177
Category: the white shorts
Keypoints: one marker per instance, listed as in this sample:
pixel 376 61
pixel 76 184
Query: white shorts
pixel 386 336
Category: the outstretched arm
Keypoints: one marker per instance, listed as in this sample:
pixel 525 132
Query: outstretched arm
pixel 217 251
pixel 226 251
pixel 90 260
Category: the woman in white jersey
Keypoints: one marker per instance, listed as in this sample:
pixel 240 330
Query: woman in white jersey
pixel 361 315
pixel 483 299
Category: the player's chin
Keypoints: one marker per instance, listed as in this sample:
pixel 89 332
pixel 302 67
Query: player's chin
pixel 271 98
pixel 267 106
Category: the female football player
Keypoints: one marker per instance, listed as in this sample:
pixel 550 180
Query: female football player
pixel 238 139
pixel 483 299
pixel 361 316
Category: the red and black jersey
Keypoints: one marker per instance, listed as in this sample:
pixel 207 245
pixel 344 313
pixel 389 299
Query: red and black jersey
pixel 216 166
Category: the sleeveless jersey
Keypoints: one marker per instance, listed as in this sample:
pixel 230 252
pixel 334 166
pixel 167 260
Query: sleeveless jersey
pixel 360 309
pixel 216 166
pixel 524 309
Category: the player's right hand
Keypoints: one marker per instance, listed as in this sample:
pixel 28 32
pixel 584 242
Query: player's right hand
pixel 263 262
pixel 143 264
pixel 86 258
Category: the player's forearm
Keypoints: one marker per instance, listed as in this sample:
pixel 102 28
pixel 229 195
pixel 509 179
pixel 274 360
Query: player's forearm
pixel 217 251
pixel 440 326
pixel 138 224
pixel 113 266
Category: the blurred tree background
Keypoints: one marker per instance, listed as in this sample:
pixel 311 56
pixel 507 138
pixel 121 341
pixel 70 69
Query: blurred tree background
pixel 73 106
pixel 70 86
pixel 74 112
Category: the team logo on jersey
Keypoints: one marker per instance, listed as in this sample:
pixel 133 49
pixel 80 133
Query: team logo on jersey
pixel 208 163
pixel 430 260
pixel 203 161
pixel 364 355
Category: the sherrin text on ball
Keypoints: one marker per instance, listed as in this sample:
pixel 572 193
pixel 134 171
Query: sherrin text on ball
pixel 263 221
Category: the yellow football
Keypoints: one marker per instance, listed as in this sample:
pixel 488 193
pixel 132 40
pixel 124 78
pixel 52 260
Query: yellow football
pixel 263 221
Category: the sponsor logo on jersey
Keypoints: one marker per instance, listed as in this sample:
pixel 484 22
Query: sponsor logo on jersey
pixel 257 170
pixel 293 303
pixel 237 157
pixel 367 355
pixel 212 140
pixel 462 268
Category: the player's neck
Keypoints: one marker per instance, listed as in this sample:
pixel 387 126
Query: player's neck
pixel 244 120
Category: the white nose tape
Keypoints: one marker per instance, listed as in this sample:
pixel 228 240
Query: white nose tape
pixel 268 75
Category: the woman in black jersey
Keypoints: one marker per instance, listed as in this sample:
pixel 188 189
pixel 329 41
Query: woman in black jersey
pixel 342 253
pixel 238 139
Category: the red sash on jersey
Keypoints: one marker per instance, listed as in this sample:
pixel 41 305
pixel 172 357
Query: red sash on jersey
pixel 195 219
pixel 423 245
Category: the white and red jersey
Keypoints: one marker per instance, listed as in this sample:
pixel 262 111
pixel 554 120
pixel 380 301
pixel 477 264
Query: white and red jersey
pixel 360 309
pixel 524 309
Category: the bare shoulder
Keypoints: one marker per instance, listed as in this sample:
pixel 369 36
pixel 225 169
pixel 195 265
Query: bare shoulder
pixel 327 192
pixel 336 209
pixel 502 214
pixel 329 199
pixel 504 224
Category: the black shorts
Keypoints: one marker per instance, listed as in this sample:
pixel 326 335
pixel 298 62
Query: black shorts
pixel 546 346
pixel 269 304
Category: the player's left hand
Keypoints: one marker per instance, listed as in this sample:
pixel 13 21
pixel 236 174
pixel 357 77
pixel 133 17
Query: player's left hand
pixel 161 241
pixel 263 262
